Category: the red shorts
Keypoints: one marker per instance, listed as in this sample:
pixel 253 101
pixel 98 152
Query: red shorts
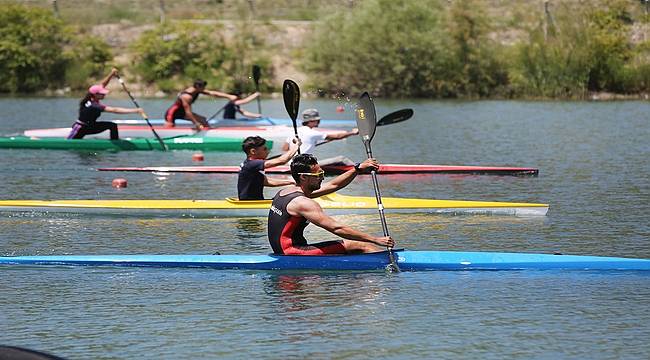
pixel 174 112
pixel 323 248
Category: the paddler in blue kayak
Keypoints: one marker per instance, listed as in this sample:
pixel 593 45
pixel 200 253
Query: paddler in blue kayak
pixel 233 106
pixel 252 180
pixel 182 107
pixel 311 137
pixel 90 108
pixel 293 209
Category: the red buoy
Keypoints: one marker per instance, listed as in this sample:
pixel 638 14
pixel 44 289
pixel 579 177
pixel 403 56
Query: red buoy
pixel 340 108
pixel 197 157
pixel 119 183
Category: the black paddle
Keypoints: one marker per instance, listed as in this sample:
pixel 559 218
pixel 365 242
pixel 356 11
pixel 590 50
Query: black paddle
pixel 162 144
pixel 257 71
pixel 367 124
pixel 395 117
pixel 291 96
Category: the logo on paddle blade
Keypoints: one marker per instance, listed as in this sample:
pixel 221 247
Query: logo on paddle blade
pixel 361 114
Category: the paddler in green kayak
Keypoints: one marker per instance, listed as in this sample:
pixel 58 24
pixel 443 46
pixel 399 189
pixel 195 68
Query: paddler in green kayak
pixel 252 180
pixel 293 209
pixel 90 108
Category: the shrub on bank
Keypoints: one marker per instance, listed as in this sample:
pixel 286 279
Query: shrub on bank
pixel 38 52
pixel 402 48
pixel 31 49
pixel 178 53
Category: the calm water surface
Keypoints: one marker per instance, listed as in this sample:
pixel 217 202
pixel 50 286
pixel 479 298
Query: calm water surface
pixel 594 165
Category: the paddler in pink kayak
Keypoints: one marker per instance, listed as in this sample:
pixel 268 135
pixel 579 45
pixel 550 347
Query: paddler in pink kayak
pixel 252 179
pixel 293 209
pixel 90 108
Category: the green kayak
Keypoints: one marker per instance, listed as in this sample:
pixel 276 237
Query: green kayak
pixel 174 143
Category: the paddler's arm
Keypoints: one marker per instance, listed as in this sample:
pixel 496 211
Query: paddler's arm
pixel 344 179
pixel 188 111
pixel 274 182
pixel 216 93
pixel 313 212
pixel 247 99
pixel 341 135
pixel 121 110
pixel 249 114
pixel 108 78
pixel 293 149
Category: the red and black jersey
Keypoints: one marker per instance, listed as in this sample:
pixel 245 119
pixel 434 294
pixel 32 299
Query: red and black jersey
pixel 286 231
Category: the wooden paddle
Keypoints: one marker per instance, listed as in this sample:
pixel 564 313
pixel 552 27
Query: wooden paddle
pixel 162 143
pixel 367 124
pixel 291 96
pixel 257 72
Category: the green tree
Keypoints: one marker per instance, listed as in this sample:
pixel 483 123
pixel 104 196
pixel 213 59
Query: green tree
pixel 31 49
pixel 473 68
pixel 586 48
pixel 389 47
pixel 609 47
pixel 88 57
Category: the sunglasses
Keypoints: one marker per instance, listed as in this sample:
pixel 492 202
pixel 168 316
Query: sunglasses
pixel 320 173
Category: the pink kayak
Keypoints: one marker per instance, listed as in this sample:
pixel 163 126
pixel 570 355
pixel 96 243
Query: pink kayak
pixel 338 169
pixel 271 132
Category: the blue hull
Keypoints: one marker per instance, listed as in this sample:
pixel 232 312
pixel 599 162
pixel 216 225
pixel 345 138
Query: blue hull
pixel 407 260
pixel 263 121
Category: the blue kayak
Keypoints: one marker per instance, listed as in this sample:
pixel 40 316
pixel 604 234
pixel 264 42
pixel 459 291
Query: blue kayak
pixel 263 121
pixel 407 261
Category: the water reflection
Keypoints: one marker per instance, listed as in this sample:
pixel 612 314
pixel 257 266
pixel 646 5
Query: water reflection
pixel 298 292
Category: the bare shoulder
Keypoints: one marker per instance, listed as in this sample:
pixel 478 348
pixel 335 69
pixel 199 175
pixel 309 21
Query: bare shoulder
pixel 301 205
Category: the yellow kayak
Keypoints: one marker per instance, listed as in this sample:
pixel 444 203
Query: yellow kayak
pixel 333 203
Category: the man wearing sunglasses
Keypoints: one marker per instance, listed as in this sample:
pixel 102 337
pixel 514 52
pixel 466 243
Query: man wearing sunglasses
pixel 293 209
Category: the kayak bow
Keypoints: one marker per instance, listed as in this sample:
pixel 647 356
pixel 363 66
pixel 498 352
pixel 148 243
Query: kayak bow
pixel 175 143
pixel 333 203
pixel 407 260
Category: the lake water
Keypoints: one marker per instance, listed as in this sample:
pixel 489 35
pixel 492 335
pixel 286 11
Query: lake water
pixel 594 161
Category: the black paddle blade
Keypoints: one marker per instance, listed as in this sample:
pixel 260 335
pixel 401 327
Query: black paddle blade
pixel 395 117
pixel 257 72
pixel 366 117
pixel 291 96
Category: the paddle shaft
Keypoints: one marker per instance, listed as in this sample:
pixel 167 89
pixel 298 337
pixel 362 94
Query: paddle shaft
pixel 256 77
pixel 217 113
pixel 135 102
pixel 380 205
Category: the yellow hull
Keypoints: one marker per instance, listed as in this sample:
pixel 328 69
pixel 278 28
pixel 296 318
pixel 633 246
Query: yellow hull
pixel 333 203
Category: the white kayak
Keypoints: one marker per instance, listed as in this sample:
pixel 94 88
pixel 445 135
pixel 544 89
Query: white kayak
pixel 274 132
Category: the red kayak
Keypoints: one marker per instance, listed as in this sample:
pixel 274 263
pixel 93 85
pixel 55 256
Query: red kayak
pixel 338 169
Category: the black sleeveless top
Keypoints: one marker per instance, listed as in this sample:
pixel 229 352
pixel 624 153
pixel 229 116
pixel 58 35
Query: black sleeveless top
pixel 194 96
pixel 230 110
pixel 90 112
pixel 283 227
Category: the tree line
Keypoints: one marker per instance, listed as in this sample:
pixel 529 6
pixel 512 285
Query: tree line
pixel 393 48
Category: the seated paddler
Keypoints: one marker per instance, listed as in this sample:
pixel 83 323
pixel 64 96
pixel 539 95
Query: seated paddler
pixel 293 208
pixel 252 179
